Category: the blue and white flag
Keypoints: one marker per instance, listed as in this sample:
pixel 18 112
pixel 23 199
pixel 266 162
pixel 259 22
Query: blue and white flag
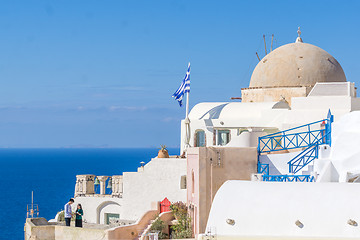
pixel 184 87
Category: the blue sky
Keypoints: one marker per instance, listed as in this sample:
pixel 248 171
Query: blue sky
pixel 101 73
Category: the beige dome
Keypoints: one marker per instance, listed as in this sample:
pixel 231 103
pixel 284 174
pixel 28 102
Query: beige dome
pixel 296 64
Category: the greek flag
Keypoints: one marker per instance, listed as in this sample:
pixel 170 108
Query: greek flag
pixel 184 87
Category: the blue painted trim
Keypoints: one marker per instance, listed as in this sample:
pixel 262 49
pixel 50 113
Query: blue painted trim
pixel 307 156
pixel 263 168
pixel 288 178
pixel 286 140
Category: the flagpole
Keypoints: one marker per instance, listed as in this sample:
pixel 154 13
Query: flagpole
pixel 187 121
pixel 187 105
pixel 187 99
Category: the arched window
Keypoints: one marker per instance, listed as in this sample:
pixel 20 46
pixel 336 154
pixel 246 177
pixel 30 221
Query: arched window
pixel 223 137
pixel 200 139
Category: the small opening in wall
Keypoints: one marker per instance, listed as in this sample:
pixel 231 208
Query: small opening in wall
pixel 192 182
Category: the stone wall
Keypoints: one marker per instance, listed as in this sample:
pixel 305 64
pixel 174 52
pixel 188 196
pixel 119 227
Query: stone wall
pixel 40 229
pixel 273 94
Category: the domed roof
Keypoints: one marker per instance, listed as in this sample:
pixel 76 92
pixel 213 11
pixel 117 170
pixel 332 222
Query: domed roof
pixel 296 64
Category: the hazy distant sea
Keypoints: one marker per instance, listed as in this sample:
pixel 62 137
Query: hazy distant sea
pixel 50 173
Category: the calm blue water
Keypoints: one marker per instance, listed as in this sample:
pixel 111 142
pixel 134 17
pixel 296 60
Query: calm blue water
pixel 51 174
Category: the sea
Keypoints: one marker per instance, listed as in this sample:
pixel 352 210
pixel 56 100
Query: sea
pixel 51 175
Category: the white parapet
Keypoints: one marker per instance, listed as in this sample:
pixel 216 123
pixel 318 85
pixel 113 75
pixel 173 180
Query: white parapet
pixel 84 185
pixel 268 210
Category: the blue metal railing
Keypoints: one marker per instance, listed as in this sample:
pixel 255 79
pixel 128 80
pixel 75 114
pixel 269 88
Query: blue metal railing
pixel 304 158
pixel 307 156
pixel 288 178
pixel 304 136
pixel 295 138
pixel 263 168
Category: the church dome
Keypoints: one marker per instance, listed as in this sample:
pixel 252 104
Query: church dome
pixel 294 65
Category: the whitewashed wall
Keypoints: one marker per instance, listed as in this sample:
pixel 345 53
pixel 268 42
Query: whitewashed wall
pixel 161 178
pixel 278 162
pixel 95 207
pixel 345 150
pixel 262 115
pixel 265 209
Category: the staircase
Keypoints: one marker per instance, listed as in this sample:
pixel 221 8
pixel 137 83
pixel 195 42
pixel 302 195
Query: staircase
pixel 143 232
pixel 306 137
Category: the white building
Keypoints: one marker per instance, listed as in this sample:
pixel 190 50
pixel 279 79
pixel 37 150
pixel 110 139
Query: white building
pixel 133 193
pixel 285 115
pixel 273 210
pixel 239 124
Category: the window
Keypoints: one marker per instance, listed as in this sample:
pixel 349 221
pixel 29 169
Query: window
pixel 223 137
pixel 183 182
pixel 200 139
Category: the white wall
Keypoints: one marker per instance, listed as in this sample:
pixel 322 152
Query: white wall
pixel 246 115
pixel 244 139
pixel 321 102
pixel 271 209
pixel 108 207
pixel 95 207
pixel 278 162
pixel 161 178
pixel 345 150
pixel 324 171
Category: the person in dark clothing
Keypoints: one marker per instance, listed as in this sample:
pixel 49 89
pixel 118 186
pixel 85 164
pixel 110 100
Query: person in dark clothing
pixel 79 213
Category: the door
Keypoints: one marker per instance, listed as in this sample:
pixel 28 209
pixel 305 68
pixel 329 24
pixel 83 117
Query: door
pixel 165 205
pixel 112 218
